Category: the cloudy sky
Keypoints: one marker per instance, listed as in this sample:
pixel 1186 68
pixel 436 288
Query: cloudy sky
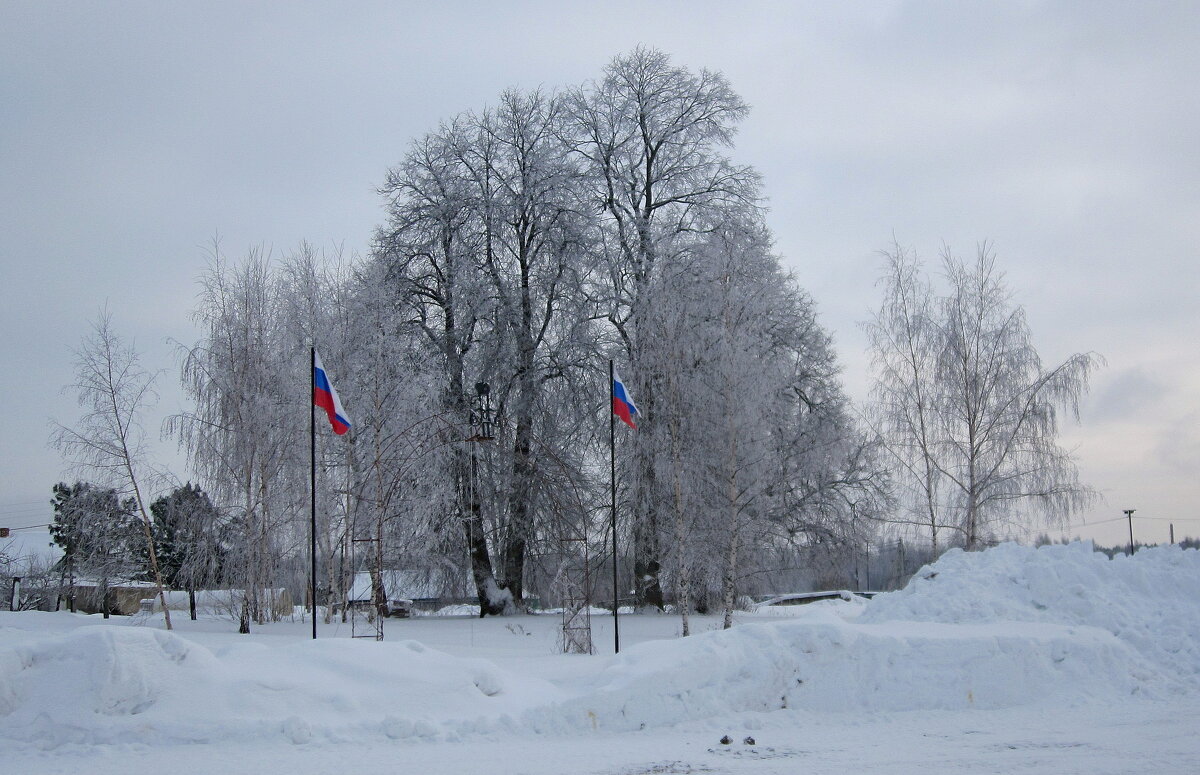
pixel 1065 134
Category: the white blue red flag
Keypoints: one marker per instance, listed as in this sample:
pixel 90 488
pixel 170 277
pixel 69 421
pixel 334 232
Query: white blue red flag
pixel 623 405
pixel 326 397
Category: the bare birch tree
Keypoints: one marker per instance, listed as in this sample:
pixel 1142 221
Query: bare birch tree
pixel 108 441
pixel 965 400
pixel 903 340
pixel 999 406
pixel 244 425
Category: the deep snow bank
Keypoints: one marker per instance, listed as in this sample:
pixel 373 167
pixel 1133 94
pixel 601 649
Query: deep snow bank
pixel 114 684
pixel 839 666
pixel 1150 601
pixel 997 629
pixel 111 684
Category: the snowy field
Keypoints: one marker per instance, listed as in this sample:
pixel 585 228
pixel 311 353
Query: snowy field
pixel 1055 660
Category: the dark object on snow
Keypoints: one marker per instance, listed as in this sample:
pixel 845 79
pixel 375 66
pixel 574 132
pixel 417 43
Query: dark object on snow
pixel 726 740
pixel 749 740
pixel 804 598
pixel 649 588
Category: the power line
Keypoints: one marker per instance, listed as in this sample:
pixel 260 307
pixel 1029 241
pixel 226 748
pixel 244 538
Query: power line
pixel 1099 522
pixel 1135 519
pixel 1172 519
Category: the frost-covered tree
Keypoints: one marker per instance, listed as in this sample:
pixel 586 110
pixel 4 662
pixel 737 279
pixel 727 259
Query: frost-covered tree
pixel 524 245
pixel 189 535
pixel 965 404
pixel 486 248
pixel 903 339
pixel 245 427
pixel 432 248
pixel 316 299
pixel 536 259
pixel 398 498
pixel 248 433
pixel 100 537
pixel 650 134
pixel 763 454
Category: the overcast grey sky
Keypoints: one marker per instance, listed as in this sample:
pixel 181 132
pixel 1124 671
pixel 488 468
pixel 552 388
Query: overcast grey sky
pixel 1063 133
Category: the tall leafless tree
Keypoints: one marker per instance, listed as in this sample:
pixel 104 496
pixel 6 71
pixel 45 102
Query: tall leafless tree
pixel 108 441
pixel 966 403
pixel 650 134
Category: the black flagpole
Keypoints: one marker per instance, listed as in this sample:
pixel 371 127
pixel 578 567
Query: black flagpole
pixel 612 460
pixel 312 452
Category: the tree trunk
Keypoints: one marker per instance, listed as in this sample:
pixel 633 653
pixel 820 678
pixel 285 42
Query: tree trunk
pixel 729 582
pixel 683 580
pixel 520 526
pixel 520 508
pixel 244 617
pixel 379 596
pixel 647 549
pixel 683 576
pixel 104 595
pixel 492 600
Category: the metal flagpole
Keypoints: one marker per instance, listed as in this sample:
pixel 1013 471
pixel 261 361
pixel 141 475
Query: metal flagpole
pixel 612 461
pixel 312 453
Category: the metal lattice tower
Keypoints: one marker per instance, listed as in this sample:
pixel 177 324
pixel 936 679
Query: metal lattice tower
pixel 365 623
pixel 574 583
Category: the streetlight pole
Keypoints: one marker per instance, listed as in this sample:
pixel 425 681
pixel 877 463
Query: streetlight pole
pixel 1129 516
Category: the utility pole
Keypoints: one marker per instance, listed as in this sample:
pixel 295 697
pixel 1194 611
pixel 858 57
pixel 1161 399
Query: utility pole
pixel 1172 526
pixel 1129 516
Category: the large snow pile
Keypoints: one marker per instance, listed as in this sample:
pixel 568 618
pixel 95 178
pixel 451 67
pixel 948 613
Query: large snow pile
pixel 1004 628
pixel 106 684
pixel 1150 601
pixel 840 666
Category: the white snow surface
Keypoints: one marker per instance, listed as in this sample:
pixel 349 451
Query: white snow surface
pixel 1149 601
pixel 1015 632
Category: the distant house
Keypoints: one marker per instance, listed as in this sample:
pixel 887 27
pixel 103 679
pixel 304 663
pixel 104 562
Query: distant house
pixel 804 598
pixel 124 597
pixel 404 591
pixel 226 602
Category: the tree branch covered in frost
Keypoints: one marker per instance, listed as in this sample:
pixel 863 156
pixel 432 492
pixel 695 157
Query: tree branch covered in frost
pixel 107 440
pixel 964 404
pixel 524 245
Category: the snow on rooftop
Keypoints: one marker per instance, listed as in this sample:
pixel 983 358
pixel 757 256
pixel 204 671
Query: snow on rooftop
pixel 399 584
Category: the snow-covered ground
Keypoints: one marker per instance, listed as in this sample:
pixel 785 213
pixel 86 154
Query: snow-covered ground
pixel 1055 660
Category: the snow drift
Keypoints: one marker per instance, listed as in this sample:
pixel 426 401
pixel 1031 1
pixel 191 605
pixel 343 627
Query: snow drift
pixel 1149 601
pixel 836 666
pixel 1004 628
pixel 108 684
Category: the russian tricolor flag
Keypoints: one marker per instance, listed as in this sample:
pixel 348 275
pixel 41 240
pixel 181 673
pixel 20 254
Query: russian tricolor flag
pixel 326 397
pixel 623 405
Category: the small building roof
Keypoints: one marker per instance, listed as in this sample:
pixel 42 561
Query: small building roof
pixel 398 584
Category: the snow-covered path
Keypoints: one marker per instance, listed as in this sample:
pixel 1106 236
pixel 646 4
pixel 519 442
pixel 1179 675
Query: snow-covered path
pixel 1141 737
